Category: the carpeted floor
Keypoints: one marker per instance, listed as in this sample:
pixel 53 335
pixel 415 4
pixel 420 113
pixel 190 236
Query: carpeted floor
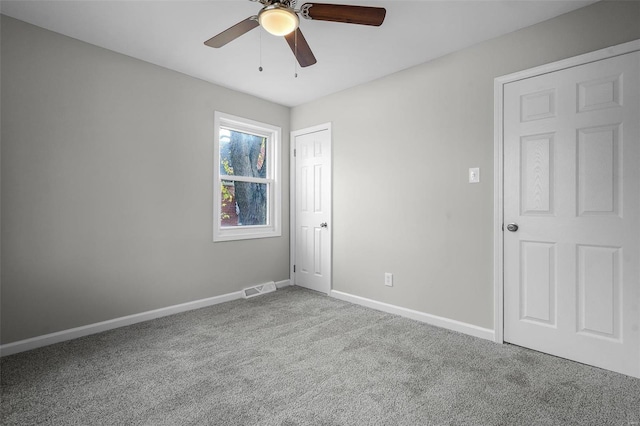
pixel 295 357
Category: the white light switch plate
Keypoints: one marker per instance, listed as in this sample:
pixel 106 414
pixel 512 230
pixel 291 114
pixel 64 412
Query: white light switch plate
pixel 474 175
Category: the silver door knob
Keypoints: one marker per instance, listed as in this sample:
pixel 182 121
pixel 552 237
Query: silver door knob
pixel 513 227
pixel 324 225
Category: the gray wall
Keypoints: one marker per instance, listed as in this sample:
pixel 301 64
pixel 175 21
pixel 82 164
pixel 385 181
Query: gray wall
pixel 106 178
pixel 402 148
pixel 107 183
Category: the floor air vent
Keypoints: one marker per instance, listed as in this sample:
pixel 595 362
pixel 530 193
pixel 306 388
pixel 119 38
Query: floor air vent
pixel 259 289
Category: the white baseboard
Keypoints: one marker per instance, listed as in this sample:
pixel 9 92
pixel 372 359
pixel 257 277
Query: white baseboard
pixel 461 327
pixel 85 330
pixel 283 283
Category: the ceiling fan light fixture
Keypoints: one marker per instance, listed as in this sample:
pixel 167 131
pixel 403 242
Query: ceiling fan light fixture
pixel 278 20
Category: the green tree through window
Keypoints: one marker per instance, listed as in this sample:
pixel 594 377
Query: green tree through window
pixel 247 179
pixel 245 155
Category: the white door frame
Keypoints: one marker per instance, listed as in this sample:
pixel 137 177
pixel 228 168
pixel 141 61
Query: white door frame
pixel 292 198
pixel 498 161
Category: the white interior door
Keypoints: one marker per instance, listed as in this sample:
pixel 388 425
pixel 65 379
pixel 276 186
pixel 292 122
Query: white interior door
pixel 312 253
pixel 572 185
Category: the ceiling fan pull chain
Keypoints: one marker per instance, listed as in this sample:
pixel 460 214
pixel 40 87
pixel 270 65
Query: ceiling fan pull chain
pixel 295 59
pixel 260 44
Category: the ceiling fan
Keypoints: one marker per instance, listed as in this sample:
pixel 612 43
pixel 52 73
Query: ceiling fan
pixel 280 18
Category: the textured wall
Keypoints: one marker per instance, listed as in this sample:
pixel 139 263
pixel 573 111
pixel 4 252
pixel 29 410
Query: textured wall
pixel 107 186
pixel 408 140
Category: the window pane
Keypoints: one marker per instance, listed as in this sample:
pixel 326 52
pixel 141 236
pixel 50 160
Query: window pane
pixel 243 203
pixel 247 179
pixel 242 154
pixel 228 213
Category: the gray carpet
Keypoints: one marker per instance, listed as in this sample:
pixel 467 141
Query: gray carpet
pixel 295 357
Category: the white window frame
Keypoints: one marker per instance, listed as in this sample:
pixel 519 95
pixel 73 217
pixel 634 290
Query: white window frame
pixel 273 135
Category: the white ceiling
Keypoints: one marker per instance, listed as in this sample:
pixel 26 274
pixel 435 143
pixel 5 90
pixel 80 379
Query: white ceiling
pixel 171 34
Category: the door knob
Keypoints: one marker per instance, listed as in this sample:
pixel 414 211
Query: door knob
pixel 324 225
pixel 513 227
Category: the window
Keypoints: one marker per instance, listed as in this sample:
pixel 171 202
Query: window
pixel 246 196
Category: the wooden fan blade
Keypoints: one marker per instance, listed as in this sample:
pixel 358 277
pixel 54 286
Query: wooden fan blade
pixel 363 15
pixel 302 51
pixel 233 33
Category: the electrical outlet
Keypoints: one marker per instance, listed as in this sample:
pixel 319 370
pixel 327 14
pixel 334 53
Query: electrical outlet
pixel 388 279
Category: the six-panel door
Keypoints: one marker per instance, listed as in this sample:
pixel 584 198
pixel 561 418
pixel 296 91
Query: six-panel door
pixel 572 184
pixel 313 210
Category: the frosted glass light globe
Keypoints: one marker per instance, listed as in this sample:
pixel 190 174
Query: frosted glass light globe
pixel 278 21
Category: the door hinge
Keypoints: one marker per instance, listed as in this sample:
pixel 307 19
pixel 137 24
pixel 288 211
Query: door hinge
pixel 294 152
pixel 294 268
